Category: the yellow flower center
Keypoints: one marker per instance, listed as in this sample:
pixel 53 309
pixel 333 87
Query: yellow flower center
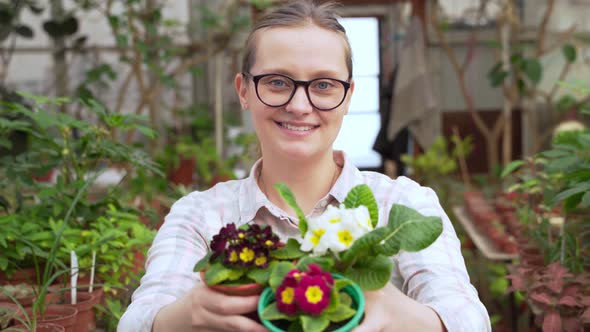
pixel 261 260
pixel 233 257
pixel 335 220
pixel 287 295
pixel 247 255
pixel 269 243
pixel 314 294
pixel 317 235
pixel 345 237
pixel 241 235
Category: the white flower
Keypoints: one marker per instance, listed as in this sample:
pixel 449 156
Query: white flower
pixel 336 229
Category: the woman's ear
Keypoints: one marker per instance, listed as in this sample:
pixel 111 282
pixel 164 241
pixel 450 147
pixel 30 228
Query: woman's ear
pixel 242 89
pixel 348 96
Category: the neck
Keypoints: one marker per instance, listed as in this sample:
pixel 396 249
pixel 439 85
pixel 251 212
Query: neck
pixel 309 181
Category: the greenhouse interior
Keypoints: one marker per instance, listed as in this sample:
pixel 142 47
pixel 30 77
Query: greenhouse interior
pixel 133 195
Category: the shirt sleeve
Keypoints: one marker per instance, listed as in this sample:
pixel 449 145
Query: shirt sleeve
pixel 436 276
pixel 179 244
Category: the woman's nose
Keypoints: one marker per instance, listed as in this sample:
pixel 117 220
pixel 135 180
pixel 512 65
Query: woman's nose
pixel 299 104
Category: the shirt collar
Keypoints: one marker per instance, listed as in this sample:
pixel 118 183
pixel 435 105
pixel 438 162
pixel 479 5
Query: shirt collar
pixel 251 198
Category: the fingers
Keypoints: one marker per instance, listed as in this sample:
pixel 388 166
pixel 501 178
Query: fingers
pixel 225 305
pixel 235 323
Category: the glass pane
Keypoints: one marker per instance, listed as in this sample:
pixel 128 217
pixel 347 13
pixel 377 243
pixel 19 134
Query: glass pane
pixel 363 34
pixel 356 138
pixel 365 98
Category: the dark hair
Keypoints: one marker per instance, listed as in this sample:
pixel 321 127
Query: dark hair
pixel 294 14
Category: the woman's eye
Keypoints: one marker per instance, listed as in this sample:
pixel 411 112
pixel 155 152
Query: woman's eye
pixel 278 83
pixel 323 85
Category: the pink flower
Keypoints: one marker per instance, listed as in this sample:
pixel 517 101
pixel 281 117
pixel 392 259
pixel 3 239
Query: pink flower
pixel 312 294
pixel 315 270
pixel 285 297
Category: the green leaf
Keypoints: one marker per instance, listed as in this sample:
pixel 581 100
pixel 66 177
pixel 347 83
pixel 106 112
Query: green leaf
pixel 579 188
pixel 202 264
pixel 370 273
pixel 339 284
pixel 511 167
pixel 572 202
pixel 569 52
pixel 365 245
pixel 314 323
pixel 586 200
pixel 279 272
pixel 533 70
pixel 342 313
pixel 345 299
pixel 362 195
pixel 261 276
pixel 289 198
pixel 326 263
pixel 289 251
pixel 563 163
pixel 272 313
pixel 409 231
pixel 217 273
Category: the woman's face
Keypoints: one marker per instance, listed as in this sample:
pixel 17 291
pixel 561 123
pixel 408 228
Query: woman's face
pixel 296 130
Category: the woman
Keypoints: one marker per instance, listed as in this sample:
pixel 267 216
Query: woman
pixel 297 84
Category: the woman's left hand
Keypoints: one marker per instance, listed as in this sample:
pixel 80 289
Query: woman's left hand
pixel 390 310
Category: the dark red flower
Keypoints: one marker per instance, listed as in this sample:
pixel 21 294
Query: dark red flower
pixel 312 294
pixel 315 270
pixel 285 297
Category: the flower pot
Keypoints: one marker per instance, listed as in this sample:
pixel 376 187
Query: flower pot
pixel 236 290
pixel 42 327
pixel 354 291
pixel 59 315
pixel 85 318
pixel 26 275
pixel 8 311
pixel 183 174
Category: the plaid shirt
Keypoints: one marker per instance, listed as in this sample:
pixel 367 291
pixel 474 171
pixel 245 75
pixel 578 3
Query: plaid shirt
pixel 435 276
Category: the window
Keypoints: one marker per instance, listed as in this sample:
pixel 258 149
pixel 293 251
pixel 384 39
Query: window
pixel 362 123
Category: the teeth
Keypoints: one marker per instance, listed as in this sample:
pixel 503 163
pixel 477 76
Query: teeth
pixel 290 127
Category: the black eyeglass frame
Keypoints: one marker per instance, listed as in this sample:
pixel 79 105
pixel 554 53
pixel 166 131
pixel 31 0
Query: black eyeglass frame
pixel 305 84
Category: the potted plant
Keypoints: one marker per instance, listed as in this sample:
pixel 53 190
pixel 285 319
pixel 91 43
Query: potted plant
pixel 240 259
pixel 347 241
pixel 310 300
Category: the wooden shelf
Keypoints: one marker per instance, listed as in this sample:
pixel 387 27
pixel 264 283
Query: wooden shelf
pixel 483 244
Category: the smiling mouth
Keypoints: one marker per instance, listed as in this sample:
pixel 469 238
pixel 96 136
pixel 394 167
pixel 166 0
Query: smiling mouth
pixel 296 128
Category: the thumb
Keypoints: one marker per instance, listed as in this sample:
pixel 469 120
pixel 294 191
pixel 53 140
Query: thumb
pixel 370 323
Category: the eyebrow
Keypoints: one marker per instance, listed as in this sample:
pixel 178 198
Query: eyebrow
pixel 316 74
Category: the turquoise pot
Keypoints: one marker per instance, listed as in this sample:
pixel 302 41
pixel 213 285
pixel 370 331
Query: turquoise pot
pixel 353 290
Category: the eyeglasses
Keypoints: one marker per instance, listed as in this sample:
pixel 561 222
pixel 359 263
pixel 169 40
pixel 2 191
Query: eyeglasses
pixel 276 90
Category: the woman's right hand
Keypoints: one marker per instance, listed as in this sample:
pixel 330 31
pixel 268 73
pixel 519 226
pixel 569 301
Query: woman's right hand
pixel 204 309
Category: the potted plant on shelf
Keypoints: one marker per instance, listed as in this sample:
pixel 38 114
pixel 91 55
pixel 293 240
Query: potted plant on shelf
pixel 553 271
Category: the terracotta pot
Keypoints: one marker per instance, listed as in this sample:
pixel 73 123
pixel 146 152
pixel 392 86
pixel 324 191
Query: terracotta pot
pixel 42 327
pixel 183 174
pixel 84 304
pixel 60 315
pixel 26 275
pixel 236 290
pixel 14 312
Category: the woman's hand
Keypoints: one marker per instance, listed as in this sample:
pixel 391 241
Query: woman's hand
pixel 390 310
pixel 204 309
